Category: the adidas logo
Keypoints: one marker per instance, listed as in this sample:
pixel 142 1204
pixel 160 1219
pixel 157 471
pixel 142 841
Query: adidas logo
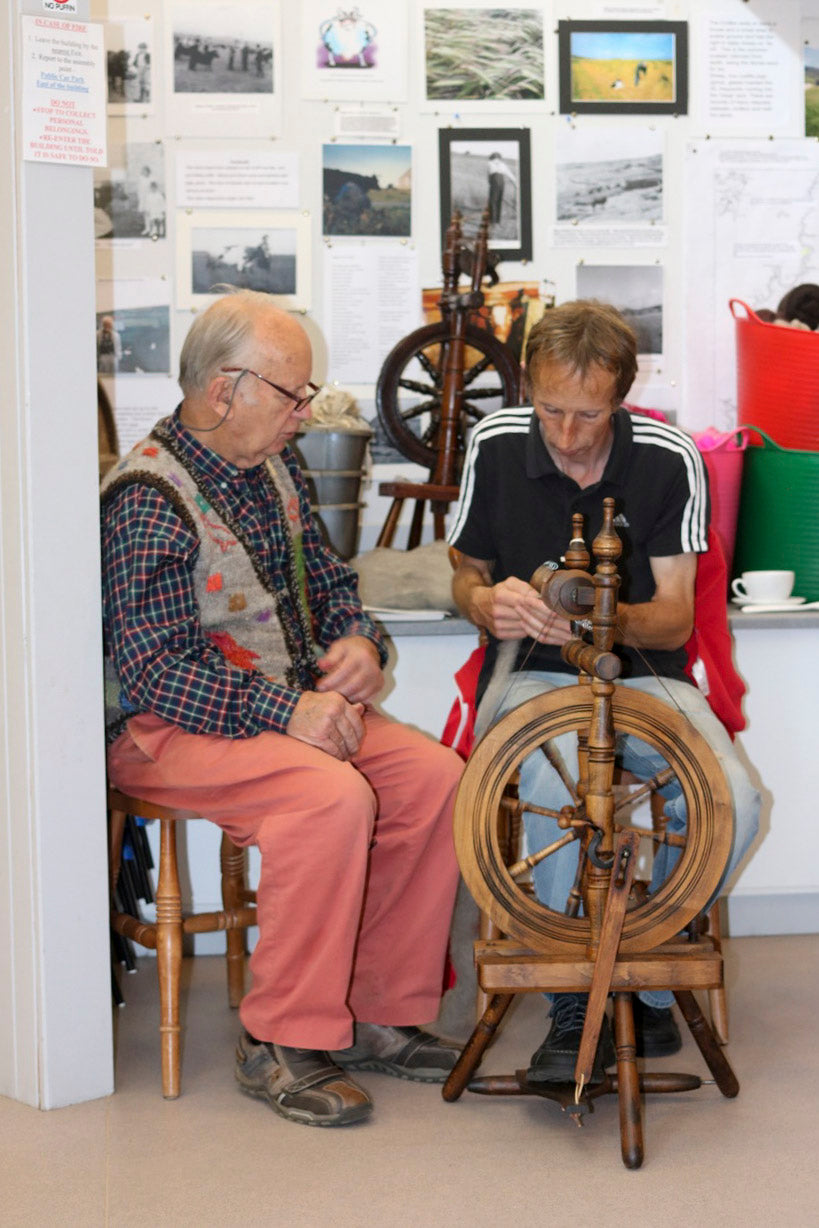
pixel 620 520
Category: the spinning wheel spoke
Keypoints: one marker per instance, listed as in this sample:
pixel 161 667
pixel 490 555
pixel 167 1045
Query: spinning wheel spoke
pixel 522 867
pixel 658 837
pixel 413 385
pixel 416 411
pixel 476 369
pixel 487 392
pixel 432 369
pixel 556 760
pixel 648 787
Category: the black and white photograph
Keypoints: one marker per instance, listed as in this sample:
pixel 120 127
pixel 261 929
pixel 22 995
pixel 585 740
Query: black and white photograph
pixel 631 67
pixel 259 250
pixel 133 340
pixel 483 54
pixel 129 194
pixel 488 169
pixel 222 49
pixel 129 58
pixel 609 175
pixel 634 289
pixel 367 190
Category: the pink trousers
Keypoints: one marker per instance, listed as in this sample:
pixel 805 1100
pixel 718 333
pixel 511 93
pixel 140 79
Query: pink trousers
pixel 358 870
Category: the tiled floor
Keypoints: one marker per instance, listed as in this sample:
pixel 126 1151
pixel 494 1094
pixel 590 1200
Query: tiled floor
pixel 215 1158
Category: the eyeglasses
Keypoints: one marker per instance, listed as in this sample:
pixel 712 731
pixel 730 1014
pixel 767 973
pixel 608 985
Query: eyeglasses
pixel 300 402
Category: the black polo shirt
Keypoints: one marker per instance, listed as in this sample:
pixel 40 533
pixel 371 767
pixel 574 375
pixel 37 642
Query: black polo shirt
pixel 515 512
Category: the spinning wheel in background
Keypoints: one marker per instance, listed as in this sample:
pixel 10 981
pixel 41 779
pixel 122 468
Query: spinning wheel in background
pixel 410 388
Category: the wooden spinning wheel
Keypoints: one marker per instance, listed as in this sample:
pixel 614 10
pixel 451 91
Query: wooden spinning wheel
pixel 410 389
pixel 626 939
pixel 482 806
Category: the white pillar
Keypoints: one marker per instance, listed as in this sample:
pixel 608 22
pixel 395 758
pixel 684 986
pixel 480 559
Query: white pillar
pixel 55 1020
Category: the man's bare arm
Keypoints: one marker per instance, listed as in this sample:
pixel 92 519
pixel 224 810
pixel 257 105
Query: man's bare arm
pixel 667 620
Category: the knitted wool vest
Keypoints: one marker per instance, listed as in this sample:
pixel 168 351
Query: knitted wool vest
pixel 240 612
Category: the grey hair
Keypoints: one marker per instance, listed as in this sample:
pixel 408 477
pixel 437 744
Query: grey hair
pixel 219 337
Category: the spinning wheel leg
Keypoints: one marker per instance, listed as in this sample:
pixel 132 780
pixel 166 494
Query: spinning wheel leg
pixel 628 1082
pixel 714 1056
pixel 474 1049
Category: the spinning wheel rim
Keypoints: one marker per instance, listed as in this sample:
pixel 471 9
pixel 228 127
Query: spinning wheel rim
pixel 396 362
pixel 699 872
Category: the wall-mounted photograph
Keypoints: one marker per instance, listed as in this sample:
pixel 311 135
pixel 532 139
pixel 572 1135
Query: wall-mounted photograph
pixel 133 341
pixel 488 168
pixel 483 54
pixel 129 194
pixel 129 66
pixel 812 88
pixel 354 51
pixel 222 49
pixel 367 190
pixel 628 67
pixel 253 251
pixel 634 289
pixel 609 175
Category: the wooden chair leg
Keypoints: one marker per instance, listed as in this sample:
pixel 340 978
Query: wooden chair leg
pixel 390 524
pixel 628 1082
pixel 234 885
pixel 116 832
pixel 717 998
pixel 169 957
pixel 416 525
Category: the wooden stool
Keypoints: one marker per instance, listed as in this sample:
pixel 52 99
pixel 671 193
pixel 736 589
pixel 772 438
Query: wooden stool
pixel 166 933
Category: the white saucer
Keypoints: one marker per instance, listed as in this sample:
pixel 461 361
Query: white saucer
pixel 781 601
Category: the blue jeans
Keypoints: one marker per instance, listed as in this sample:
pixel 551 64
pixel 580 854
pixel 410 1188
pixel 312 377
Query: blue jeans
pixel 554 876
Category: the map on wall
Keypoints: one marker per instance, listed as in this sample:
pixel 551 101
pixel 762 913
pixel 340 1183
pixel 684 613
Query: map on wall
pixel 753 234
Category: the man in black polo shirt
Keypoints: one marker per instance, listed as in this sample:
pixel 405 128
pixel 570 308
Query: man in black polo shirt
pixel 526 472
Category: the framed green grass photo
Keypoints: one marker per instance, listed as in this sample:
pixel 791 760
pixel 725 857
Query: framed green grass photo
pixel 623 67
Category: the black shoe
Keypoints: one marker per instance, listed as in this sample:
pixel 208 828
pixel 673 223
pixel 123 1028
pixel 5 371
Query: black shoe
pixel 555 1060
pixel 655 1030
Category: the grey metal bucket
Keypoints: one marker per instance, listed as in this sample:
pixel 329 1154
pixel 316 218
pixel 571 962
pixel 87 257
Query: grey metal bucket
pixel 332 462
pixel 341 450
pixel 339 524
pixel 333 485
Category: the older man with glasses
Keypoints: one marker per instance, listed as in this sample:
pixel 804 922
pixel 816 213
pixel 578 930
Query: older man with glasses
pixel 241 670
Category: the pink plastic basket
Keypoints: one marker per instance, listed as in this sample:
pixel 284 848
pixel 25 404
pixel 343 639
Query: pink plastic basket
pixel 723 453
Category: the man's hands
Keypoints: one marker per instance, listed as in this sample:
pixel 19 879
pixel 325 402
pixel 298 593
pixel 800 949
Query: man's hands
pixel 510 609
pixel 330 717
pixel 329 723
pixel 352 667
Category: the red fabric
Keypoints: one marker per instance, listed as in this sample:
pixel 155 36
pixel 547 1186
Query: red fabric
pixel 459 730
pixel 711 641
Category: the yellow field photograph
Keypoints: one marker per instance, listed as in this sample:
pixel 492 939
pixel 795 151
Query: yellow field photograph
pixel 628 66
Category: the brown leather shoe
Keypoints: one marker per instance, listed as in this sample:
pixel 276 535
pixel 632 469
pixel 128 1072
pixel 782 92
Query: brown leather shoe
pixel 406 1052
pixel 303 1085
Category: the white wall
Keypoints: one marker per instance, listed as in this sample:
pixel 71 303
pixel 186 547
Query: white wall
pixel 55 1025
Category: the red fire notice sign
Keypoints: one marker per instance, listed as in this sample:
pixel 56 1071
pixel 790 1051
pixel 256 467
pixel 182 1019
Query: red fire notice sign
pixel 64 102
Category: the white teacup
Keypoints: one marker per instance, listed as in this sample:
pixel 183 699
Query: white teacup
pixel 760 586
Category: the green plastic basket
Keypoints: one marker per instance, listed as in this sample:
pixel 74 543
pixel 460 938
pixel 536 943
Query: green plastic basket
pixel 778 522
